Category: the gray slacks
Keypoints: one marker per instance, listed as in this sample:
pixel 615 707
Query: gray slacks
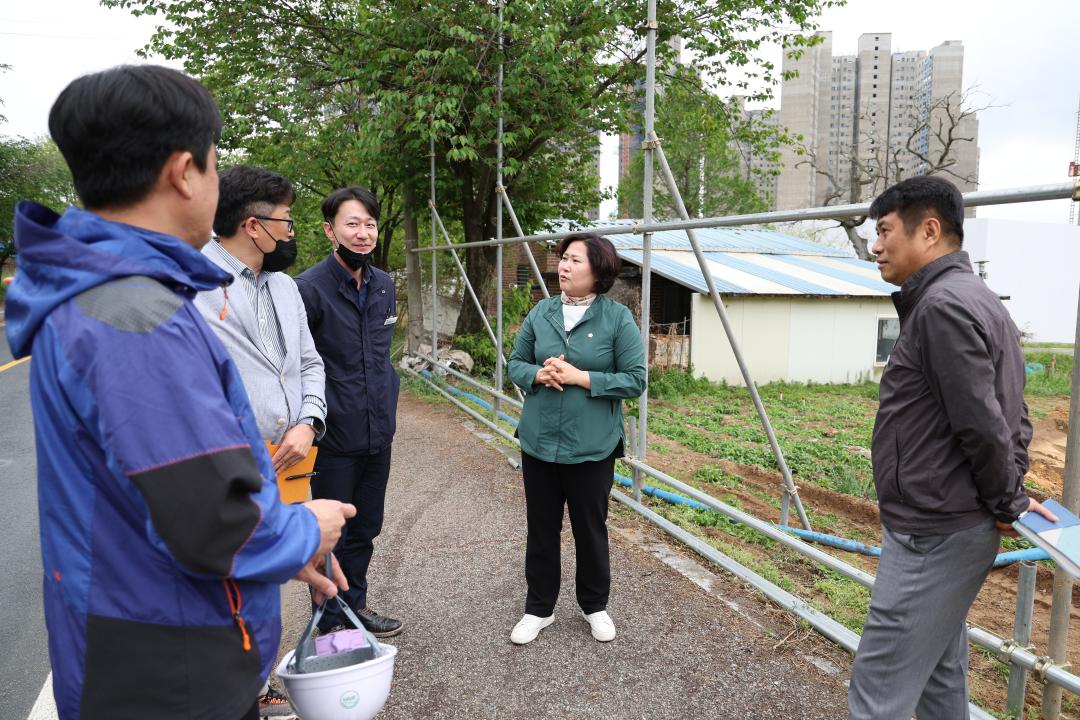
pixel 913 656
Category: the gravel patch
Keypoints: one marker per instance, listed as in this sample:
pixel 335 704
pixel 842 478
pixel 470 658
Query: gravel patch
pixel 450 564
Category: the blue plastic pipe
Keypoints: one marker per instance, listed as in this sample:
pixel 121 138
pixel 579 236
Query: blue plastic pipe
pixel 473 398
pixel 1003 559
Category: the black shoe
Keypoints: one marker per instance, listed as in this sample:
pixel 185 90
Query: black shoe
pixel 274 704
pixel 319 632
pixel 377 625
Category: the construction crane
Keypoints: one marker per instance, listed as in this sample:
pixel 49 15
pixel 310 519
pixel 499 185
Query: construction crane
pixel 1074 169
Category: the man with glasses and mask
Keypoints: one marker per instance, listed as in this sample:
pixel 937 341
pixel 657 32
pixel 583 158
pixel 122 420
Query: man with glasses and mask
pixel 260 319
pixel 351 310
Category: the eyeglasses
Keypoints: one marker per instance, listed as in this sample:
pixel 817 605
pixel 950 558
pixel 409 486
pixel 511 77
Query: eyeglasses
pixel 284 220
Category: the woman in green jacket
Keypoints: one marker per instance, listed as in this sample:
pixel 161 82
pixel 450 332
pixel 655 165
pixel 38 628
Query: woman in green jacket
pixel 576 358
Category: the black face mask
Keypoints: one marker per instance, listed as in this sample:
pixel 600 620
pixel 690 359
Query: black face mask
pixel 352 259
pixel 281 257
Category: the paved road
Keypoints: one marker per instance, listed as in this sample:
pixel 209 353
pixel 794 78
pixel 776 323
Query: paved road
pixel 24 660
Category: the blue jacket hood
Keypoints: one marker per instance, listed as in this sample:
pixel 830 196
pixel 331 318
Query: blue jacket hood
pixel 62 256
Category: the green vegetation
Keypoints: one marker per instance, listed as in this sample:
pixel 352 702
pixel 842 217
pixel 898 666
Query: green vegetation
pixel 824 430
pixel 1052 374
pixel 848 601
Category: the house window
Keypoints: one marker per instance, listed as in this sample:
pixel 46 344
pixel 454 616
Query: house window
pixel 888 329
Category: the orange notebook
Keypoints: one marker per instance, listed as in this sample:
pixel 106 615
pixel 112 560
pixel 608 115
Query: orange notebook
pixel 294 483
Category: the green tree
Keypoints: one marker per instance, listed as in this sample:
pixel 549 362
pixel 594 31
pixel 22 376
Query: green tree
pixel 336 91
pixel 30 170
pixel 700 134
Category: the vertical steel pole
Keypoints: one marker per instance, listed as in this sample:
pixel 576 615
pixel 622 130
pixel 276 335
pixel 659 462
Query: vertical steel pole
pixel 1025 599
pixel 789 491
pixel 525 246
pixel 434 270
pixel 495 402
pixel 647 216
pixel 1070 498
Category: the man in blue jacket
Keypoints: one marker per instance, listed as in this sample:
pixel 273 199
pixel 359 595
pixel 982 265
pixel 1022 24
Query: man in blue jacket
pixel 352 309
pixel 163 539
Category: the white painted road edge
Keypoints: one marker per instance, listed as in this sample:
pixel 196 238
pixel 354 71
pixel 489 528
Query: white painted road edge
pixel 44 707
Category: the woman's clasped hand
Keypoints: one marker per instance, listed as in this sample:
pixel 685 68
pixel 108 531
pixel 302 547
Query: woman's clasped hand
pixel 557 372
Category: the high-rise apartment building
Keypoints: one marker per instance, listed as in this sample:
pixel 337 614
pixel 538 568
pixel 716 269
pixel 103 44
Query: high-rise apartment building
pixel 870 119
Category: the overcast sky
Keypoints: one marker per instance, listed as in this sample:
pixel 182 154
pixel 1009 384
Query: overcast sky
pixel 1023 62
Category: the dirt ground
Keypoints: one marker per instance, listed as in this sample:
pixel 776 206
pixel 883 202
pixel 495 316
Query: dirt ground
pixel 856 518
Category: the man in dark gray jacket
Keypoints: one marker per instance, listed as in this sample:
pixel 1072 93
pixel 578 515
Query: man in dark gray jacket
pixel 949 453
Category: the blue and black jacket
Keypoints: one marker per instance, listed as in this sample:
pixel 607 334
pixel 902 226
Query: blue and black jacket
pixel 163 540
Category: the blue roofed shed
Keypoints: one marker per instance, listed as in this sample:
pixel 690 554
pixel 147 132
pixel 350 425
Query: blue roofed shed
pixel 800 311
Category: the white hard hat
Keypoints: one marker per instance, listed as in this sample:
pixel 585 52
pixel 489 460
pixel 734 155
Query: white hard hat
pixel 351 685
pixel 356 692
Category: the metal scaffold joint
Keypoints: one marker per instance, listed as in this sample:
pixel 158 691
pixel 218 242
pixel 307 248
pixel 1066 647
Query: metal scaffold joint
pixel 1008 647
pixel 431 204
pixel 1044 664
pixel 500 189
pixel 1076 191
pixel 651 25
pixel 650 144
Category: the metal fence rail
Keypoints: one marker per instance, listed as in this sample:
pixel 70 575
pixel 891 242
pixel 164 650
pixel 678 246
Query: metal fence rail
pixel 1048 668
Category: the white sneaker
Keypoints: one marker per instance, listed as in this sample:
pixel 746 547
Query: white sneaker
pixel 603 628
pixel 529 627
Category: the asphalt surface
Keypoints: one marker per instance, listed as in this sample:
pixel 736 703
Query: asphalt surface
pixel 450 564
pixel 24 661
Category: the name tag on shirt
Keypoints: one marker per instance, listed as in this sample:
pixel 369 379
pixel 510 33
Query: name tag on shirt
pixel 390 320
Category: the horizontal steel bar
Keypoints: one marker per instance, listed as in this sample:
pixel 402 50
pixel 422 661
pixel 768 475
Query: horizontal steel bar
pixel 1024 658
pixel 833 563
pixel 979 198
pixel 472 413
pixel 978 635
pixel 820 621
pixel 472 381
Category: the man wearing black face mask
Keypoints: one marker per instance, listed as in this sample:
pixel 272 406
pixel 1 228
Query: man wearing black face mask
pixel 261 317
pixel 352 309
pixel 261 320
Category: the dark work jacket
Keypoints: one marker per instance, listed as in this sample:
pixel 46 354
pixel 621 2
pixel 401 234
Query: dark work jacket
pixel 354 341
pixel 951 434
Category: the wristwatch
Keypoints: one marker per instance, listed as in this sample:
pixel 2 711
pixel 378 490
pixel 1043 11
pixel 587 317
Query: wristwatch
pixel 317 425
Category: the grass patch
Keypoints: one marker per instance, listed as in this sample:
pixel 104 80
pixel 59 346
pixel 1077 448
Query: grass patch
pixel 848 600
pixel 1053 378
pixel 823 430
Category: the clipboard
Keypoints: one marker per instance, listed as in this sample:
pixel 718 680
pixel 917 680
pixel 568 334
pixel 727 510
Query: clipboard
pixel 294 483
pixel 1061 539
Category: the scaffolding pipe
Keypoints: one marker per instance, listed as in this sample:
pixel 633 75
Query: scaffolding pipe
pixel 790 492
pixel 842 636
pixel 1024 658
pixel 499 226
pixel 434 270
pixel 472 413
pixel 528 250
pixel 1061 605
pixel 1032 193
pixel 642 443
pixel 473 399
pixel 824 624
pixel 763 527
pixel 472 381
pixel 472 294
pixel 1006 650
pixel 1025 600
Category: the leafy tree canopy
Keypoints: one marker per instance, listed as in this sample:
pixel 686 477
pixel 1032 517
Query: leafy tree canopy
pixel 337 92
